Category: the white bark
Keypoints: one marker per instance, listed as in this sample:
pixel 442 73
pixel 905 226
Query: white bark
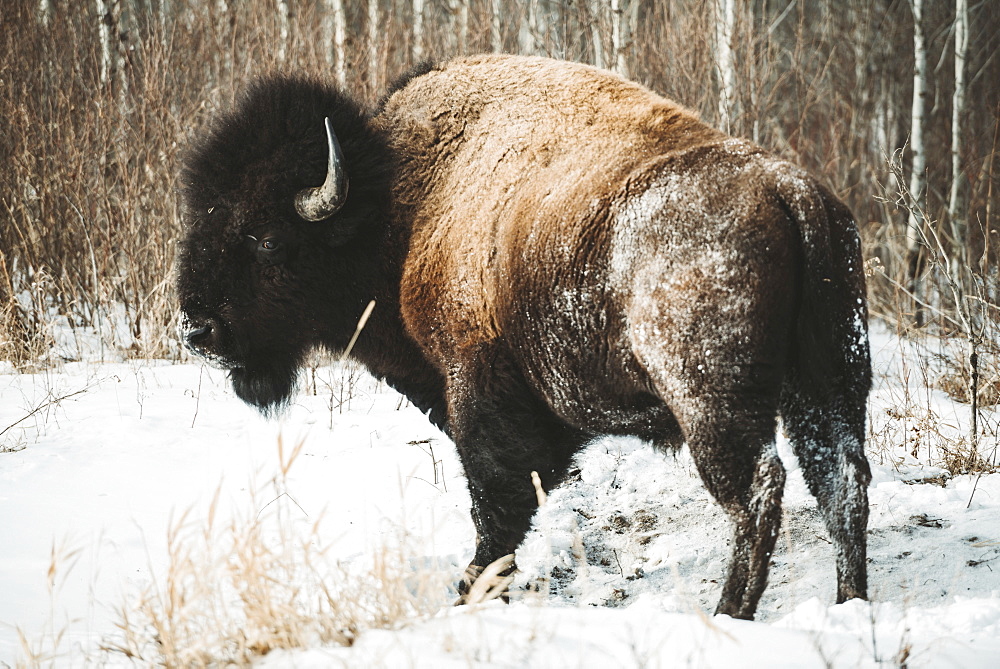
pixel 725 25
pixel 340 41
pixel 918 177
pixel 284 29
pixel 955 213
pixel 596 7
pixel 528 31
pixel 373 42
pixel 164 17
pixel 326 27
pixel 619 27
pixel 417 50
pixel 334 38
pixel 44 12
pixel 496 44
pixel 106 36
pixel 463 26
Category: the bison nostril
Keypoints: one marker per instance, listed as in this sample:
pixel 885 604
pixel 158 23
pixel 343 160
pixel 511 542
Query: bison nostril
pixel 201 336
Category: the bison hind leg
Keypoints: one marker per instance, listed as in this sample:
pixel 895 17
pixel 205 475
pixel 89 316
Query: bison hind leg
pixel 828 440
pixel 733 448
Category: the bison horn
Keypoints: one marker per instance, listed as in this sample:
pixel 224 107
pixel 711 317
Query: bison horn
pixel 315 204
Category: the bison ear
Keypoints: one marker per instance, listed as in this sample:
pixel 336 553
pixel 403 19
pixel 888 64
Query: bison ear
pixel 316 204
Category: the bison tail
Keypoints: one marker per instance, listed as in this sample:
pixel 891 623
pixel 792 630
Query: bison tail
pixel 824 395
pixel 830 350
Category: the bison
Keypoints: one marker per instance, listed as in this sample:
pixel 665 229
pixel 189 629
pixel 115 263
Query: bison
pixel 555 253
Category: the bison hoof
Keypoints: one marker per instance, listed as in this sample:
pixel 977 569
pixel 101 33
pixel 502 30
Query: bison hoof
pixel 481 584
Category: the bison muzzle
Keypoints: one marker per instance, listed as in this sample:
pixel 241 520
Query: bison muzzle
pixel 555 254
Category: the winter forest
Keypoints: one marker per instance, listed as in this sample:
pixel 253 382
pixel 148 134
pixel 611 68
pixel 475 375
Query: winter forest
pixel 895 104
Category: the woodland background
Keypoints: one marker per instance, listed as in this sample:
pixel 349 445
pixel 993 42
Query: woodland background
pixel 895 103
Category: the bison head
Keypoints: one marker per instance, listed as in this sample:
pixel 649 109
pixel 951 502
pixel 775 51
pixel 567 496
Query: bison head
pixel 272 236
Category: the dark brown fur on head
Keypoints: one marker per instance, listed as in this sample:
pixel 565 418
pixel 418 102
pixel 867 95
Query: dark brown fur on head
pixel 555 253
pixel 267 307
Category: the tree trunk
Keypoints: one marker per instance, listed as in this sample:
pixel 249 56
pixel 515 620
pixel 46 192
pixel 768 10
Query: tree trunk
pixel 528 30
pixel 284 29
pixel 106 32
pixel 956 214
pixel 334 38
pixel 725 25
pixel 619 30
pixel 44 12
pixel 496 38
pixel 918 176
pixel 597 40
pixel 417 48
pixel 373 42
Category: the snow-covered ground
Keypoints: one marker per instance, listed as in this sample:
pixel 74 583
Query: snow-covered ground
pixel 100 460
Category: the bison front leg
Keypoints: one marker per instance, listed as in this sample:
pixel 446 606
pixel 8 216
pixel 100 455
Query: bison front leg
pixel 503 432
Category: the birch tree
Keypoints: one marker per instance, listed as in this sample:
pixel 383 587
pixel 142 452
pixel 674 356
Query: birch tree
pixel 725 25
pixel 955 203
pixel 596 7
pixel 164 16
pixel 335 37
pixel 44 12
pixel 619 27
pixel 918 176
pixel 496 38
pixel 284 29
pixel 528 31
pixel 417 48
pixel 373 43
pixel 460 11
pixel 106 35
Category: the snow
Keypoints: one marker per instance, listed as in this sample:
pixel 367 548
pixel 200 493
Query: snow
pixel 100 460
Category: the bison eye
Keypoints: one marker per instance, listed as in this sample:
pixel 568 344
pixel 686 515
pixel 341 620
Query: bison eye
pixel 270 251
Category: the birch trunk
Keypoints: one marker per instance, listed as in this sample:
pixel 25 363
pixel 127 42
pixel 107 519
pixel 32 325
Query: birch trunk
pixel 44 12
pixel 417 50
pixel 334 36
pixel 463 26
pixel 955 201
pixel 496 43
pixel 595 31
pixel 619 28
pixel 164 16
pixel 725 24
pixel 326 26
pixel 106 36
pixel 283 30
pixel 918 176
pixel 373 42
pixel 526 36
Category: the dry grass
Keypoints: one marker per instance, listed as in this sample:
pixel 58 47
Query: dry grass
pixel 238 590
pixel 915 424
pixel 45 648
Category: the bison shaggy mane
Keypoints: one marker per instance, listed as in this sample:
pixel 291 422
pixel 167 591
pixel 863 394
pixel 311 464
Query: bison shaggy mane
pixel 555 253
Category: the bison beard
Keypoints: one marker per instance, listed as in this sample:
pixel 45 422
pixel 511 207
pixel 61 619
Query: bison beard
pixel 556 254
pixel 268 388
